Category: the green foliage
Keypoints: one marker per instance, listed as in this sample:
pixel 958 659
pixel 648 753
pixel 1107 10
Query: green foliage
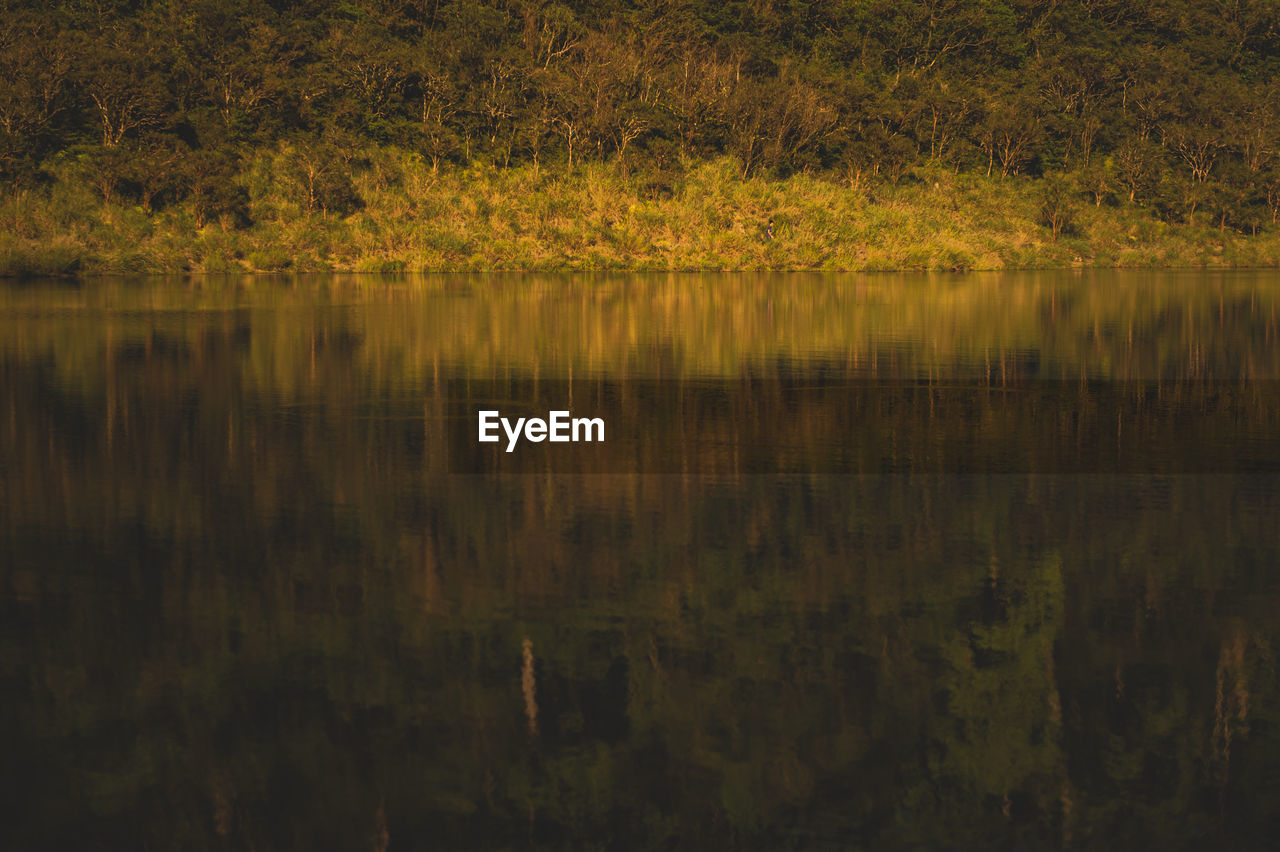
pixel 39 260
pixel 1058 202
pixel 374 209
pixel 214 191
pixel 173 107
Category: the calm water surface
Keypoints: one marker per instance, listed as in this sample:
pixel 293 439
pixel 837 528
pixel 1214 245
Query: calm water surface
pixel 986 561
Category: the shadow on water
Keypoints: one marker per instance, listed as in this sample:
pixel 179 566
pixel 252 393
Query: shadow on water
pixel 250 597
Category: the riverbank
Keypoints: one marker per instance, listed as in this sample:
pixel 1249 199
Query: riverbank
pixel 401 215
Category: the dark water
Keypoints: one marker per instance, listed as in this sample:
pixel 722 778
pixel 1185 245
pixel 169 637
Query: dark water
pixel 954 562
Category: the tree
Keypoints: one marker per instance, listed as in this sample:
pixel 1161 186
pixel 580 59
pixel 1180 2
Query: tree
pixel 107 169
pixel 1075 85
pixel 1099 179
pixel 1196 145
pixel 777 123
pixel 1137 162
pixel 1271 187
pixel 1008 132
pixel 551 31
pixel 1058 202
pixel 1233 194
pixel 35 66
pixel 317 172
pixel 433 94
pixel 155 165
pixel 949 108
pixel 214 192
pixel 120 73
pixel 698 87
pixel 373 70
pixel 926 34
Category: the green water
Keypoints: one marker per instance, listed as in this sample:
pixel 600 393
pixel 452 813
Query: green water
pixel 250 598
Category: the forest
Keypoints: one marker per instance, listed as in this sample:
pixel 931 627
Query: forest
pixel 250 117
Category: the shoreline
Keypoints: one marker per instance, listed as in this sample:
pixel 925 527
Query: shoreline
pixel 110 275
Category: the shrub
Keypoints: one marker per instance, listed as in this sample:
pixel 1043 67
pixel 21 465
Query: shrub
pixel 1058 203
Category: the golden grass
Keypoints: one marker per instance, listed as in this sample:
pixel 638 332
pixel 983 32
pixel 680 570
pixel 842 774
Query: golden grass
pixel 604 217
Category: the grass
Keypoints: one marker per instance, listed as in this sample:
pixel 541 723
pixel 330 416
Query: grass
pixel 602 217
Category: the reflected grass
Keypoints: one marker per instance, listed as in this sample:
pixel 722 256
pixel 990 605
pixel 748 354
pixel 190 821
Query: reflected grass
pixel 1073 323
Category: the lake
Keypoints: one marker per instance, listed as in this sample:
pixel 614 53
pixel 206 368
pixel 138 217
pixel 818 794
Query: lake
pixel 955 561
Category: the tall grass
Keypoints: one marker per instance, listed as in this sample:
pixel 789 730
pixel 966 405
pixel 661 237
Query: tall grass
pixel 602 217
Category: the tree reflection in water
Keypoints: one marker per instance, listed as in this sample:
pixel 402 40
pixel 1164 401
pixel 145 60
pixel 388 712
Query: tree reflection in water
pixel 244 602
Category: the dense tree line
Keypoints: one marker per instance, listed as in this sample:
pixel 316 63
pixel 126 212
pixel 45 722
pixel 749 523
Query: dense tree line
pixel 1171 104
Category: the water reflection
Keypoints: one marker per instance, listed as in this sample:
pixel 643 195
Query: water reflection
pixel 243 602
